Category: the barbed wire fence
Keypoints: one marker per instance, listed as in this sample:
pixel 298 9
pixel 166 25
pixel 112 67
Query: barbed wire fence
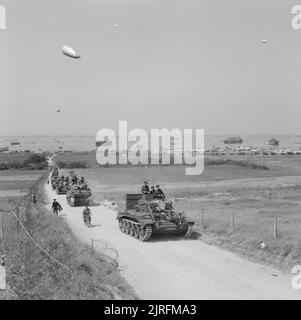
pixel 230 221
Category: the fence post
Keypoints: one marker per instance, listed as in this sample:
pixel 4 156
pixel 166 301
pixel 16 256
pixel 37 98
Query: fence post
pixel 2 257
pixel 23 214
pixel 92 245
pixel 1 234
pixel 232 220
pixel 17 213
pixel 202 217
pixel 275 226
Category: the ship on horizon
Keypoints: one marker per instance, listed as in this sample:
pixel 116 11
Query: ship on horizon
pixel 233 140
pixel 273 142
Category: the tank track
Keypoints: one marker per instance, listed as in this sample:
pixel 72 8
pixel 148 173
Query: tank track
pixel 135 229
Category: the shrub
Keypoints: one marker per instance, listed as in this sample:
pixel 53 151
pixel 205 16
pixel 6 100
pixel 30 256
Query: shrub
pixel 35 158
pixel 34 162
pixel 16 165
pixel 3 166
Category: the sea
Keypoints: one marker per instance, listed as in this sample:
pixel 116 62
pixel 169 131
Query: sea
pixel 87 142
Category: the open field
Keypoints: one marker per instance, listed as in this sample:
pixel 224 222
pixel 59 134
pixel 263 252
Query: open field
pixel 14 157
pixel 278 165
pixel 255 196
pixel 27 161
pixel 17 182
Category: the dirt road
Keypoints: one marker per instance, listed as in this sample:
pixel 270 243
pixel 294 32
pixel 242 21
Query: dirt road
pixel 177 269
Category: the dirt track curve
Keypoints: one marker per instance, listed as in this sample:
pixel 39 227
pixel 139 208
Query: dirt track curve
pixel 177 269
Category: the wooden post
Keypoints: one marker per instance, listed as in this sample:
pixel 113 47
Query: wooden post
pixel 202 218
pixel 1 229
pixel 18 225
pixel 1 234
pixel 275 226
pixel 92 245
pixel 232 220
pixel 24 215
pixel 2 257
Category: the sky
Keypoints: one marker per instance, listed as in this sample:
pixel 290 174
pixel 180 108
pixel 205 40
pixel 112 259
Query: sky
pixel 169 64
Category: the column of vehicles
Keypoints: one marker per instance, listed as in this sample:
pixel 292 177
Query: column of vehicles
pixel 75 188
pixel 146 214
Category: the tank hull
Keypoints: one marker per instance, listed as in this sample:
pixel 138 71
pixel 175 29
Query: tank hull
pixel 145 217
pixel 133 227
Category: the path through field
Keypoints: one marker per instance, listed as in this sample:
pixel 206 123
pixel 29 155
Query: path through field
pixel 177 269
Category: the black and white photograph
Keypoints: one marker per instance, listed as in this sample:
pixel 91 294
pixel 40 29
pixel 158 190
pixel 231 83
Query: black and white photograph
pixel 150 150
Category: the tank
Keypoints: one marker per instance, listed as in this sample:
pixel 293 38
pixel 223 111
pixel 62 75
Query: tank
pixel 61 187
pixel 78 197
pixel 145 217
pixel 54 181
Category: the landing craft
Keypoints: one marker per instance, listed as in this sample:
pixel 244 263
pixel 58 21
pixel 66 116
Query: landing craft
pixel 69 52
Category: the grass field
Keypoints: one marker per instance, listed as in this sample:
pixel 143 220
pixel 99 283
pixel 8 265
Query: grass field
pixel 279 164
pixel 18 181
pixel 22 160
pixel 14 157
pixel 255 196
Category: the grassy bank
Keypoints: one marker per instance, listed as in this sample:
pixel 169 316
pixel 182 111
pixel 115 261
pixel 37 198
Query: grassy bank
pixel 31 274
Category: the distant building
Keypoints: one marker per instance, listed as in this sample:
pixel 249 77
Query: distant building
pixel 15 146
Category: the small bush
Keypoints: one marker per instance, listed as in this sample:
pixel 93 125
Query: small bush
pixel 36 158
pixel 16 165
pixel 34 162
pixel 3 166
